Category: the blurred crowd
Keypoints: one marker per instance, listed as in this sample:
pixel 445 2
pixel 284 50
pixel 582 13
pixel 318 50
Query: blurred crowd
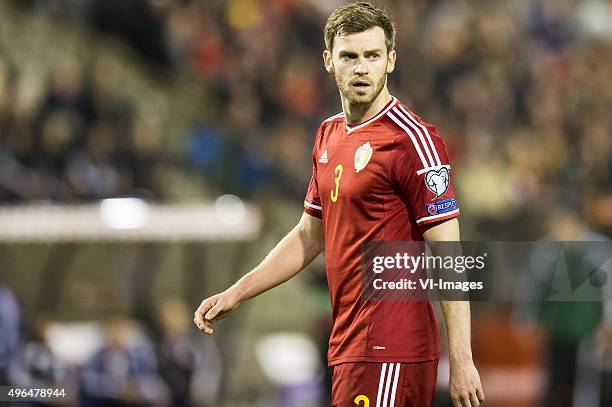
pixel 521 92
pixel 125 364
pixel 76 140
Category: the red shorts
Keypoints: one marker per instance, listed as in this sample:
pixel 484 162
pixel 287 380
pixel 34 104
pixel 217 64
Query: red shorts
pixel 370 384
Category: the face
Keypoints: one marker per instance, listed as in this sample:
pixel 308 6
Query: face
pixel 360 64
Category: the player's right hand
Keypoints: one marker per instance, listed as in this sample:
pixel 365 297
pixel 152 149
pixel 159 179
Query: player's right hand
pixel 213 309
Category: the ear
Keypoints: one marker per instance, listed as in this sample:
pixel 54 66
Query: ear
pixel 391 61
pixel 327 61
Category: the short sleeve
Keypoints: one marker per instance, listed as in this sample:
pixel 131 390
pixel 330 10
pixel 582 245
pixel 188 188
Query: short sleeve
pixel 421 174
pixel 312 202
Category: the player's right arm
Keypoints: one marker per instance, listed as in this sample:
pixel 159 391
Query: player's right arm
pixel 294 252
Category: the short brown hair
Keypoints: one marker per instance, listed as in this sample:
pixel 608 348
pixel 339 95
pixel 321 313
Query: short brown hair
pixel 355 18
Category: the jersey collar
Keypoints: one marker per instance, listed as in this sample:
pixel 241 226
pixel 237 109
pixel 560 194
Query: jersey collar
pixel 352 128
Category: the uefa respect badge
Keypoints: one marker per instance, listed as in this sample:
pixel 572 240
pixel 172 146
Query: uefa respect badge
pixel 443 206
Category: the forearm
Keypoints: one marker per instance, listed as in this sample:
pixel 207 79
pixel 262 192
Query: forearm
pixel 294 252
pixel 458 329
pixel 456 313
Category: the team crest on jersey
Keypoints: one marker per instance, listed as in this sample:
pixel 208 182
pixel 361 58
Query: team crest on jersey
pixel 437 181
pixel 323 159
pixel 362 156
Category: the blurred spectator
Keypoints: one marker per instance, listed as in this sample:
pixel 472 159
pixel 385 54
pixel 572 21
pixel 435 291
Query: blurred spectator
pixel 139 22
pixel 605 348
pixel 123 372
pixel 570 326
pixel 67 89
pixel 190 370
pixel 9 326
pixel 49 163
pixel 77 140
pixel 93 172
pixel 36 365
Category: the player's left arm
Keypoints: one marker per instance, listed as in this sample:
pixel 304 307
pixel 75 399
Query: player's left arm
pixel 465 387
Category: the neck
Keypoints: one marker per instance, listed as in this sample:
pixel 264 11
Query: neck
pixel 359 113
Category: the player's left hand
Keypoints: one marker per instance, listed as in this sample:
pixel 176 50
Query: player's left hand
pixel 465 386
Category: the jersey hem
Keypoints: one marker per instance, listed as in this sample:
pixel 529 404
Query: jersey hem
pixel 378 359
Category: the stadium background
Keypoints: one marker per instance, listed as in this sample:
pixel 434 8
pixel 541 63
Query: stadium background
pixel 186 101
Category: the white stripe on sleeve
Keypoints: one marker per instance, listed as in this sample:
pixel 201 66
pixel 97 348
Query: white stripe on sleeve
pixel 417 131
pixel 440 215
pixel 312 206
pixel 436 168
pixel 414 141
pixel 438 162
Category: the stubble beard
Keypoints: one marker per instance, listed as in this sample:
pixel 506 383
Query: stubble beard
pixel 355 99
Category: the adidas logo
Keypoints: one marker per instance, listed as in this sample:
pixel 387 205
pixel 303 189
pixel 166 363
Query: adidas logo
pixel 323 158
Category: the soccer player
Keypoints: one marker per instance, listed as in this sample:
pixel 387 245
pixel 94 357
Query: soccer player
pixel 379 173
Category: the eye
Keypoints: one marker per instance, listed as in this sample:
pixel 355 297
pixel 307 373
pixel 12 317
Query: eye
pixel 373 56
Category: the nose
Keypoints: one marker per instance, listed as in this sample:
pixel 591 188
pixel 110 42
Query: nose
pixel 361 67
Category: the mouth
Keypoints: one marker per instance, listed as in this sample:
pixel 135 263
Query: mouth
pixel 360 84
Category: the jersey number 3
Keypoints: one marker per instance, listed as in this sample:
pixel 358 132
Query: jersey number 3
pixel 334 193
pixel 360 398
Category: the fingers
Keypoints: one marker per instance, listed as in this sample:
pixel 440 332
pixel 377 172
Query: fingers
pixel 457 398
pixel 202 325
pixel 213 312
pixel 207 328
pixel 200 320
pixel 465 401
pixel 206 306
pixel 474 399
pixel 480 394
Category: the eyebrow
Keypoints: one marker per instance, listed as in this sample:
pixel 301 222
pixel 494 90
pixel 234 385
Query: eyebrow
pixel 370 51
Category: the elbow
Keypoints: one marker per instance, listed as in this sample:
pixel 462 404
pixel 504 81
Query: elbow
pixel 318 245
pixel 312 242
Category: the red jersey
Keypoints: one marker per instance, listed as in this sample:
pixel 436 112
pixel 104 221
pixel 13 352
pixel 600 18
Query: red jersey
pixel 386 179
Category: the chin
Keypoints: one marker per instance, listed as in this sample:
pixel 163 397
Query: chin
pixel 355 99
